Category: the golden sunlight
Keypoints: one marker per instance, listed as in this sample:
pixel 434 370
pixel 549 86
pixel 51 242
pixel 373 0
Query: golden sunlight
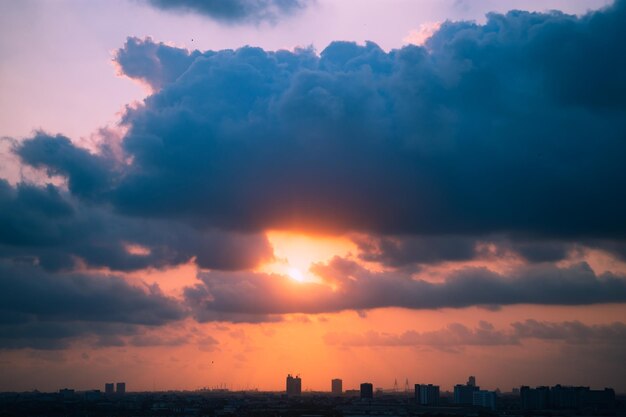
pixel 296 274
pixel 296 252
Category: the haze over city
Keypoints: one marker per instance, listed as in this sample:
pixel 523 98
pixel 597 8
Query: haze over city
pixel 219 194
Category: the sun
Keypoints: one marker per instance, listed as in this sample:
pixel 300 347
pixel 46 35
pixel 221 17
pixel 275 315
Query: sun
pixel 296 252
pixel 296 274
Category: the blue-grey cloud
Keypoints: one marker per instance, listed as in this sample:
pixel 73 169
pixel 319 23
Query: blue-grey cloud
pixel 53 229
pixel 88 174
pixel 347 285
pixel 512 126
pixel 407 250
pixel 30 291
pixel 398 251
pixel 234 11
pixel 48 310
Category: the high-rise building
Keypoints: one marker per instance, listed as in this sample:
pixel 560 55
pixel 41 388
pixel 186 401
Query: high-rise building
pixel 471 381
pixel 367 390
pixel 336 386
pixel 427 394
pixel 109 388
pixel 120 388
pixel 464 394
pixel 485 399
pixel 294 385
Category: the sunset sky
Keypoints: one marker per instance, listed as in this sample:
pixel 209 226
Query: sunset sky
pixel 215 194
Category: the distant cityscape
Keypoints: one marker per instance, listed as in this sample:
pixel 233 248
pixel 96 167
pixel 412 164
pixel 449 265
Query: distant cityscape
pixel 466 399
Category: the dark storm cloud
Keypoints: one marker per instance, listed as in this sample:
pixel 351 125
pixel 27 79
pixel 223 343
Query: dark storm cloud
pixel 87 174
pixel 27 291
pixel 46 310
pixel 458 335
pixel 234 11
pixel 348 285
pixel 45 225
pixel 512 126
pixel 399 251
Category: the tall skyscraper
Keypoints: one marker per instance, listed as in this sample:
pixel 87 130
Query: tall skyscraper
pixel 294 385
pixel 471 381
pixel 109 388
pixel 367 390
pixel 120 388
pixel 337 386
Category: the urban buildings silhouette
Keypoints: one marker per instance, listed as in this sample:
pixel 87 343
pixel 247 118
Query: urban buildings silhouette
pixel 120 388
pixel 109 388
pixel 464 394
pixel 565 397
pixel 428 399
pixel 367 390
pixel 427 394
pixel 294 385
pixel 336 386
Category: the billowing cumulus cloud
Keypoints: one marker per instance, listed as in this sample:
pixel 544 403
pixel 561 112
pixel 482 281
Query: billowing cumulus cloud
pixel 238 296
pixel 485 129
pixel 234 11
pixel 457 335
pixel 485 136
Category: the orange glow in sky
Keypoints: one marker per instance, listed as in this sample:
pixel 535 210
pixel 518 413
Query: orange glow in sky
pixel 296 252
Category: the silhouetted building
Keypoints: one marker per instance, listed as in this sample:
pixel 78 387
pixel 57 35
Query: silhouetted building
pixel 601 399
pixel 483 398
pixel 464 394
pixel 534 398
pixel 567 397
pixel 564 397
pixel 367 390
pixel 427 394
pixel 93 395
pixel 120 388
pixel 337 386
pixel 109 388
pixel 66 393
pixel 294 385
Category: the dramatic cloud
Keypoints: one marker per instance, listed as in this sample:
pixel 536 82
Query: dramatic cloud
pixel 43 310
pixel 485 136
pixel 486 129
pixel 234 11
pixel 54 230
pixel 347 285
pixel 400 251
pixel 458 335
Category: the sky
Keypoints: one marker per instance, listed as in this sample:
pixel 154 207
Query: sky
pixel 216 194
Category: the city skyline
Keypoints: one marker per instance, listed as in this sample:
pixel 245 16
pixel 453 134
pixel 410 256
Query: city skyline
pixel 220 194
